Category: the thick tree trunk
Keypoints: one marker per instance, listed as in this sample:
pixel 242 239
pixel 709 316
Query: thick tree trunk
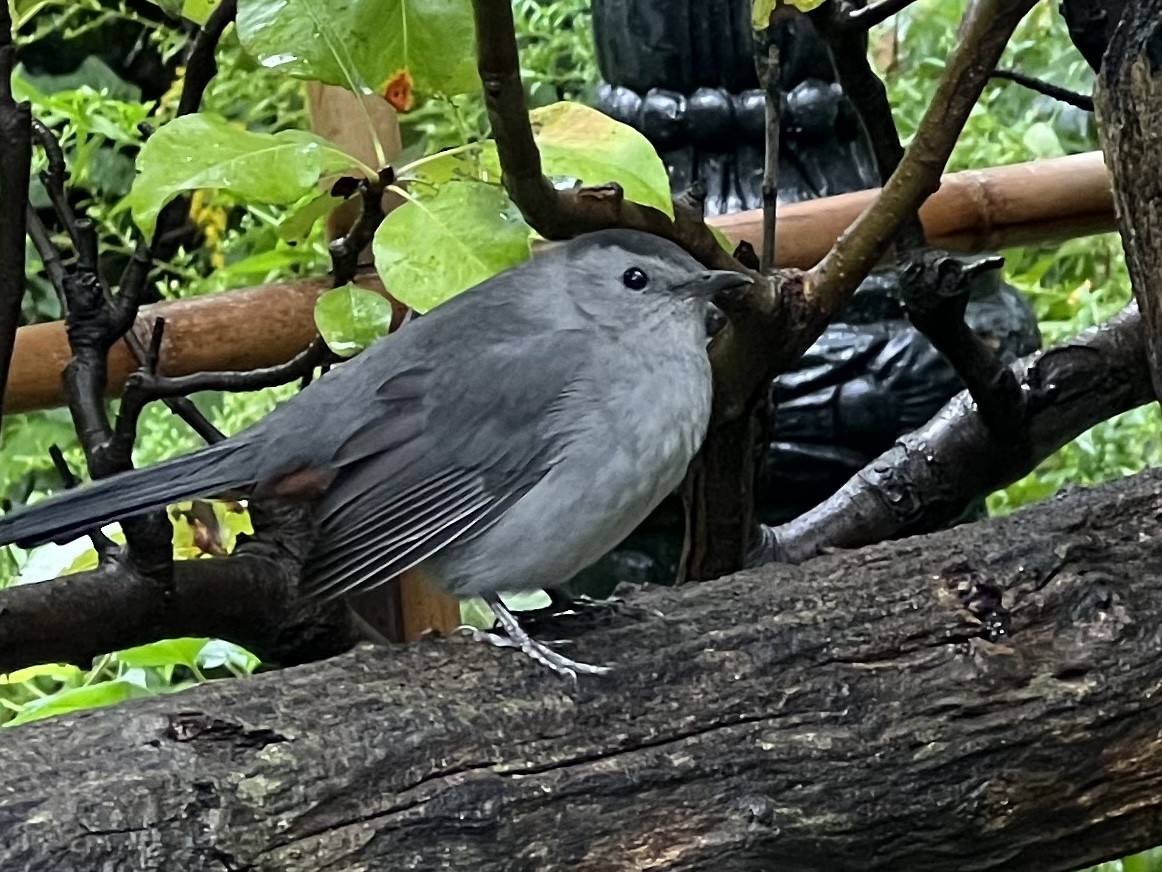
pixel 984 698
pixel 1128 100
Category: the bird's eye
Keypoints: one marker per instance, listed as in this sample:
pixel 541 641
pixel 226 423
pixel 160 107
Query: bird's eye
pixel 635 279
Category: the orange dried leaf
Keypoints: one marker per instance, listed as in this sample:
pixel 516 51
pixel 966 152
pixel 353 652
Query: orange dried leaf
pixel 398 91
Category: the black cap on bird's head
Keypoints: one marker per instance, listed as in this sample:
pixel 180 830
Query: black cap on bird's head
pixel 650 264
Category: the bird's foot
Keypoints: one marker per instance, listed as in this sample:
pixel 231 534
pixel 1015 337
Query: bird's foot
pixel 581 610
pixel 516 637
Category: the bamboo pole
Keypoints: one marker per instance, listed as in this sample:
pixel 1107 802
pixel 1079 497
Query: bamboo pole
pixel 978 210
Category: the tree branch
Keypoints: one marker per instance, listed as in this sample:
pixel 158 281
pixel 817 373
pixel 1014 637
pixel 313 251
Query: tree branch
pixel 552 213
pixel 935 288
pixel 930 476
pixel 1064 95
pixel 15 165
pixel 984 33
pixel 767 66
pixel 1128 97
pixel 868 95
pixel 249 598
pixel 901 708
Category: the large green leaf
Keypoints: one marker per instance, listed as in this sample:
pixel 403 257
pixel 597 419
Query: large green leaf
pixel 206 151
pixel 579 143
pixel 167 652
pixel 73 699
pixel 361 44
pixel 429 250
pixel 350 318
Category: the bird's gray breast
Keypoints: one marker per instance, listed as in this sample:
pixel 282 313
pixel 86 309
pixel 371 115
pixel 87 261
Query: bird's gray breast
pixel 623 436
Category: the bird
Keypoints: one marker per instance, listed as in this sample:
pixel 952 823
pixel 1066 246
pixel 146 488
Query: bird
pixel 501 442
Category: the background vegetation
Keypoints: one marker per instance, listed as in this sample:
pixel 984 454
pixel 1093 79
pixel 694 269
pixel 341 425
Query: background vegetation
pixel 96 113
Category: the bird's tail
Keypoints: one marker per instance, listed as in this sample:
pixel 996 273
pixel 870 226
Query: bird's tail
pixel 67 515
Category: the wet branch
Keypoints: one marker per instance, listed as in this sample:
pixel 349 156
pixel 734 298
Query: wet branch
pixel 15 165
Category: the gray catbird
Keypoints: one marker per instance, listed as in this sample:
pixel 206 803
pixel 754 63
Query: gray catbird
pixel 504 441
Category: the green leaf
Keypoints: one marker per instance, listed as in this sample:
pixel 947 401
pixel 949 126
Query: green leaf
pixel 361 44
pixel 205 151
pixel 74 699
pixel 760 17
pixel 217 653
pixel 168 652
pixel 298 224
pixel 429 250
pixel 62 672
pixel 350 318
pixel 722 239
pixel 760 13
pixel 196 11
pixel 475 612
pixel 582 144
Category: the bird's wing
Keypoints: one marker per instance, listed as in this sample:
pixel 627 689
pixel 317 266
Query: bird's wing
pixel 442 458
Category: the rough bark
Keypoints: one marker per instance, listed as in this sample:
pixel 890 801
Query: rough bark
pixel 982 698
pixel 1128 99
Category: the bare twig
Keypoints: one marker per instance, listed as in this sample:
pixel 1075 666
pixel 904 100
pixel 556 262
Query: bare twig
pixel 299 367
pixel 346 249
pixel 50 256
pixel 105 547
pixel 249 598
pixel 1072 98
pixel 201 67
pixel 768 66
pixel 935 288
pixel 868 95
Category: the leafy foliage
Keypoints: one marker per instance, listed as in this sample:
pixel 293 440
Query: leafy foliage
pixel 431 249
pixel 203 151
pixel 360 44
pixel 351 318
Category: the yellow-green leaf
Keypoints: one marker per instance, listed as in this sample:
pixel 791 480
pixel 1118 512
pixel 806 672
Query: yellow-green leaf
pixel 203 151
pixel 429 250
pixel 761 9
pixel 580 143
pixel 351 318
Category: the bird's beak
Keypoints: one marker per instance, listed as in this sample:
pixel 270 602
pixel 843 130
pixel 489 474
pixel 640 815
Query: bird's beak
pixel 710 283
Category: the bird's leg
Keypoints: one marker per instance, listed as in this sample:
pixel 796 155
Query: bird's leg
pixel 540 652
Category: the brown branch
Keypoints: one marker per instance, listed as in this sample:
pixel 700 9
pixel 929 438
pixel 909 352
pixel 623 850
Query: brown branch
pixel 552 213
pixel 345 250
pixel 984 33
pixel 935 288
pixel 297 368
pixel 929 477
pixel 934 705
pixel 248 598
pixel 15 165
